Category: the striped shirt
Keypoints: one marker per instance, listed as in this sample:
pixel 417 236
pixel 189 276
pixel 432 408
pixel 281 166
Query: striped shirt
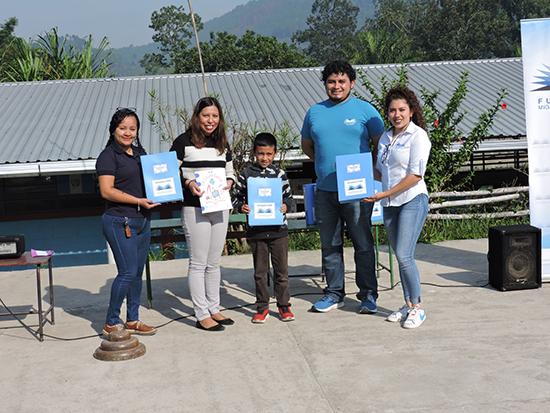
pixel 192 159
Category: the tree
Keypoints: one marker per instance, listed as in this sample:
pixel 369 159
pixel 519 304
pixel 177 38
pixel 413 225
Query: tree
pixel 262 52
pixel 65 62
pixel 436 30
pixel 49 58
pixel 391 36
pixel 173 30
pixel 24 65
pixel 6 38
pixel 464 29
pixel 6 31
pixel 226 52
pixel 330 32
pixel 382 46
pixel 518 10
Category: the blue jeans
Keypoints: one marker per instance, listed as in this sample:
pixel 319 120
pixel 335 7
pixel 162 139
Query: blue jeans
pixel 403 226
pixel 130 256
pixel 331 216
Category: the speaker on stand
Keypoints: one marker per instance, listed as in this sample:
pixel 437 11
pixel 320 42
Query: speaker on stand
pixel 514 257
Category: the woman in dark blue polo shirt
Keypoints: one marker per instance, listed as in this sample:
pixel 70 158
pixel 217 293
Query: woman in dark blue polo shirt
pixel 126 221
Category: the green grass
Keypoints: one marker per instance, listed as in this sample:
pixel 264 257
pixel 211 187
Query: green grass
pixel 445 230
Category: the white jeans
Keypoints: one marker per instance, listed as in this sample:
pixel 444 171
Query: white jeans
pixel 205 236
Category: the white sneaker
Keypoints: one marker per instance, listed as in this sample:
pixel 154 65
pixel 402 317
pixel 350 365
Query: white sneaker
pixel 399 315
pixel 415 318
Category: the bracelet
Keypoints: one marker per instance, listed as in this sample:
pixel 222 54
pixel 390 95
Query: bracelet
pixel 138 204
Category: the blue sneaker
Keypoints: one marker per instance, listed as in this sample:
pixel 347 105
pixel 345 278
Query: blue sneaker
pixel 368 305
pixel 326 304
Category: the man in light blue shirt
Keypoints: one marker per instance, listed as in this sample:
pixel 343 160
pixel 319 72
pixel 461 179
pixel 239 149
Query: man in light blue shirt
pixel 342 125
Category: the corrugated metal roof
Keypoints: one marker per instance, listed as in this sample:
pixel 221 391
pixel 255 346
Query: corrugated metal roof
pixel 62 121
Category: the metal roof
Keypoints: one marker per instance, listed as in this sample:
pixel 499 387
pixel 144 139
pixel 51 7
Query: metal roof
pixel 60 127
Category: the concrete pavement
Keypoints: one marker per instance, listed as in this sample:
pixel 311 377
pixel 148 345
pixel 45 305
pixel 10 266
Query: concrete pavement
pixel 479 350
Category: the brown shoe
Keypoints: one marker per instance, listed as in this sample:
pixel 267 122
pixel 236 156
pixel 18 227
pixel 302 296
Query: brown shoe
pixel 109 329
pixel 138 327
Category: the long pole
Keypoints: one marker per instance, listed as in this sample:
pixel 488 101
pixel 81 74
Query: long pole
pixel 198 46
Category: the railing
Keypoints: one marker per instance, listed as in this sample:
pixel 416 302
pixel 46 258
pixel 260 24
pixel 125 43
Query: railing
pixel 477 198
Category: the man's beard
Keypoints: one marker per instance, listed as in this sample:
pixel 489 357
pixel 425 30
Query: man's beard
pixel 342 99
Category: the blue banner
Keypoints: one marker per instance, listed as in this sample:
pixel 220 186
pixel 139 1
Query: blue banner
pixel 535 44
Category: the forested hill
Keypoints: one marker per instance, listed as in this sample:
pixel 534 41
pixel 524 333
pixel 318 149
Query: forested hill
pixel 279 18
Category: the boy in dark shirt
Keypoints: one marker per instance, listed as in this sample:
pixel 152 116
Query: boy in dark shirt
pixel 269 238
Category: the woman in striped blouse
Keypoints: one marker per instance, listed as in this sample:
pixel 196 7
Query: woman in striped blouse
pixel 204 146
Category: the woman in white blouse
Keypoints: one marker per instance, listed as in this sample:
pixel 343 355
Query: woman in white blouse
pixel 403 152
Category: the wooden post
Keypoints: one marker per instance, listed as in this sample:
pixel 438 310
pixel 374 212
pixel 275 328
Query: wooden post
pixel 198 47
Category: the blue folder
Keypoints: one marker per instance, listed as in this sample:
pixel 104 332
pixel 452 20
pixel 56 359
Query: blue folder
pixel 309 203
pixel 161 177
pixel 377 209
pixel 355 177
pixel 265 198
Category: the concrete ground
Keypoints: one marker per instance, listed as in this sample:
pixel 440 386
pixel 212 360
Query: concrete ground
pixel 479 349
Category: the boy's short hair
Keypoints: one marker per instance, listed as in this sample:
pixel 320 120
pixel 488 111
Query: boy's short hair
pixel 265 139
pixel 337 67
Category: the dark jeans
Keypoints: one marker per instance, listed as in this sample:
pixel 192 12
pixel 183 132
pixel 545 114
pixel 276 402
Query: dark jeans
pixel 130 256
pixel 331 216
pixel 261 248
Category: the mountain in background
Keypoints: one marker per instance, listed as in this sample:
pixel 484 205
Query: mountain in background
pixel 125 60
pixel 279 18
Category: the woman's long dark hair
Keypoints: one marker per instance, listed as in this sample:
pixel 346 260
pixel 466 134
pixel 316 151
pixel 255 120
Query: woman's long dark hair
pixel 408 95
pixel 117 119
pixel 195 132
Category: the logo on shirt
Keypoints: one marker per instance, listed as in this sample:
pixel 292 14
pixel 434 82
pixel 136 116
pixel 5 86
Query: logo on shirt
pixel 350 122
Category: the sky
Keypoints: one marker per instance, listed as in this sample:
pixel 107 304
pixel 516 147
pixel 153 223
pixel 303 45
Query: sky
pixel 123 22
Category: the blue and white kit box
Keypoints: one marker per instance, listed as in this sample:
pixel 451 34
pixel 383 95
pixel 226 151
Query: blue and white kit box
pixel 355 176
pixel 161 177
pixel 215 197
pixel 265 198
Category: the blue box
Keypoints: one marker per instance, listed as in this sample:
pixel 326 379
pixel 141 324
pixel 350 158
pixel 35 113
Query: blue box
pixel 161 177
pixel 355 177
pixel 309 202
pixel 265 198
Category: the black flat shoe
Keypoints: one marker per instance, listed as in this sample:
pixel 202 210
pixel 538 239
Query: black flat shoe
pixel 225 322
pixel 217 327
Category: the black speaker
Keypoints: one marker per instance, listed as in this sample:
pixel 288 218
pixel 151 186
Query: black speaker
pixel 514 257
